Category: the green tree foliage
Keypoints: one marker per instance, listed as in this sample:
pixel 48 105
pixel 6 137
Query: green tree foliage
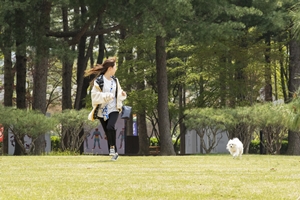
pixel 210 123
pixel 71 124
pixel 218 53
pixel 26 122
pixel 273 121
pixel 243 122
pixel 294 121
pixel 243 125
pixel 294 12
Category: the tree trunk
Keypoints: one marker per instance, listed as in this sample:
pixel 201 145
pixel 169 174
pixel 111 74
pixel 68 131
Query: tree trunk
pixel 39 145
pixel 83 57
pixel 86 80
pixel 80 71
pixel 67 68
pixel 83 83
pixel 162 107
pixel 41 70
pixel 293 85
pixel 143 136
pixel 101 49
pixel 293 143
pixel 283 76
pixel 80 62
pixel 18 149
pixel 5 142
pixel 127 55
pixel 39 85
pixel 8 69
pixel 141 121
pixel 21 80
pixel 8 87
pixel 222 83
pixel 66 84
pixel 268 71
pixel 79 102
pixel 42 54
pixel 21 59
pixel 182 127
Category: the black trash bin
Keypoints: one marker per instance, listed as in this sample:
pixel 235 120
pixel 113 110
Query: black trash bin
pixel 131 145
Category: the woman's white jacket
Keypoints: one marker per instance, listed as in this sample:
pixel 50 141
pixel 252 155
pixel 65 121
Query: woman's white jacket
pixel 102 98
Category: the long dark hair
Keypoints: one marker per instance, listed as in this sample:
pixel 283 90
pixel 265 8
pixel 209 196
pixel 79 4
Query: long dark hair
pixel 99 69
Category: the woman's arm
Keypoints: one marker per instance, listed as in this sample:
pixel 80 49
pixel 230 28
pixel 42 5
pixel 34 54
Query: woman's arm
pixel 99 97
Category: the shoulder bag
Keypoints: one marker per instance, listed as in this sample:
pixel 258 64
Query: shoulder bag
pixel 126 112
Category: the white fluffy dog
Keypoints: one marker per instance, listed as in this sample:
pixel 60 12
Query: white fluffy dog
pixel 235 147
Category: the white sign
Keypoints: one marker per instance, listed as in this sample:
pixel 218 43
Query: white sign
pixel 27 143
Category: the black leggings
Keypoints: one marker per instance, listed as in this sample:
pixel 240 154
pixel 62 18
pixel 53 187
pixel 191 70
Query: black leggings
pixel 109 129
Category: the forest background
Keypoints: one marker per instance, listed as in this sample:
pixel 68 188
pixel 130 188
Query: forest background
pixel 173 56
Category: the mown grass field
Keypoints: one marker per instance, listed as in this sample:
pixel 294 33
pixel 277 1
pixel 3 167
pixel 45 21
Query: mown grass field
pixel 153 177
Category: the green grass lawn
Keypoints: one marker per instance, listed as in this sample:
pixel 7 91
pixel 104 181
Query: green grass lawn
pixel 153 177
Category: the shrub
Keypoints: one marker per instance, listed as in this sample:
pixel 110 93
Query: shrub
pixel 66 152
pixel 154 141
pixel 177 147
pixel 55 142
pixel 254 147
pixel 284 147
pixel 23 122
pixel 73 127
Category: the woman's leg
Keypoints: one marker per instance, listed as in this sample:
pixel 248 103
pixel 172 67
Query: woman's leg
pixel 104 125
pixel 109 128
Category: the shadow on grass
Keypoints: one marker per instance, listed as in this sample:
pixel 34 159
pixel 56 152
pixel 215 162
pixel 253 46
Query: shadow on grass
pixel 104 161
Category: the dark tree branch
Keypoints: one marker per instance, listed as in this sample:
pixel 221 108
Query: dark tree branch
pixel 82 33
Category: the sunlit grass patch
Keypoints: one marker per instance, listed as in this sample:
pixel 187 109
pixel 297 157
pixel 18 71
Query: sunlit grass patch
pixel 150 177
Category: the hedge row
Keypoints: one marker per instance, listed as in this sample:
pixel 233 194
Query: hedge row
pixel 253 149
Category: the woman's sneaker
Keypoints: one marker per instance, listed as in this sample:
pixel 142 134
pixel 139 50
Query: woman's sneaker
pixel 112 151
pixel 115 157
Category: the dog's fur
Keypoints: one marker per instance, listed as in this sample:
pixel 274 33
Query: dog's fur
pixel 235 147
